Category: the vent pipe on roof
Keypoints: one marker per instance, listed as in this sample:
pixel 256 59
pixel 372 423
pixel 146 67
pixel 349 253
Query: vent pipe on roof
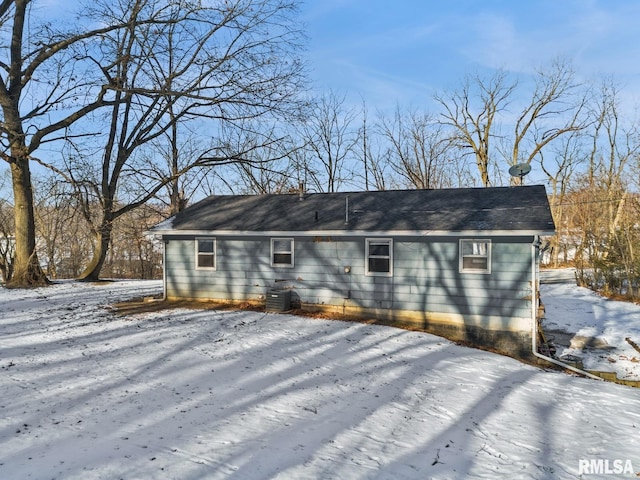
pixel 346 210
pixel 301 191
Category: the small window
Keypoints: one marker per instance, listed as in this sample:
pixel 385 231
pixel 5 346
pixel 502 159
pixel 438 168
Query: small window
pixel 379 254
pixel 206 253
pixel 475 256
pixel 282 252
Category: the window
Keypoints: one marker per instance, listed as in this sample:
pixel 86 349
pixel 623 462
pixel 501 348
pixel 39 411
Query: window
pixel 379 252
pixel 282 252
pixel 206 253
pixel 475 256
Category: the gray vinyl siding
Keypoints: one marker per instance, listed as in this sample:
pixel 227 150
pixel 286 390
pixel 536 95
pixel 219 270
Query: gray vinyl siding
pixel 425 274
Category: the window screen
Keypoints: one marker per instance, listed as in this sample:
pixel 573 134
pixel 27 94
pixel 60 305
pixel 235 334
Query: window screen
pixel 282 252
pixel 475 256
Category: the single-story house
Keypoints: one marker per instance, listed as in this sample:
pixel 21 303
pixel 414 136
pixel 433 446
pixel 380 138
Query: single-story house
pixel 461 263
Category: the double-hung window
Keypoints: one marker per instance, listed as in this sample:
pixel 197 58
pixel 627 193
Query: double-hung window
pixel 379 253
pixel 206 253
pixel 282 252
pixel 475 256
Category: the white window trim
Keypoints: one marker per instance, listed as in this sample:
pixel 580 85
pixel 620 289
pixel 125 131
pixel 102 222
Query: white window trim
pixel 369 241
pixel 215 252
pixel 461 268
pixel 292 252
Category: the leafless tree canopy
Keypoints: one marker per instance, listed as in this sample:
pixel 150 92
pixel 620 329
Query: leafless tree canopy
pixel 150 74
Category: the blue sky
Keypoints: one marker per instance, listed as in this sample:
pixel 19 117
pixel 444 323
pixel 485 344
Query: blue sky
pixel 401 52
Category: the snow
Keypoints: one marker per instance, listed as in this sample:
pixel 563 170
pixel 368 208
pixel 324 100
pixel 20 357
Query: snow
pixel 600 324
pixel 177 394
pixel 163 226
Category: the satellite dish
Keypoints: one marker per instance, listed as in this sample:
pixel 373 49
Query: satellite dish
pixel 519 170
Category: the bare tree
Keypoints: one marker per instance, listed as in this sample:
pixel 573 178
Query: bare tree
pixel 607 249
pixel 263 176
pixel 49 67
pixel 7 244
pixel 615 142
pixel 219 65
pixel 268 167
pixel 64 239
pixel 557 108
pixel 472 113
pixel 373 154
pixel 134 253
pixel 56 223
pixel 559 167
pixel 419 149
pixel 477 115
pixel 7 253
pixel 330 139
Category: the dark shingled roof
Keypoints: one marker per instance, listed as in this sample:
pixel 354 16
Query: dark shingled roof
pixel 507 209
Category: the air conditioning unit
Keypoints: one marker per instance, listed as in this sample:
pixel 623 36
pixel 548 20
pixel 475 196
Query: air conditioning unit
pixel 278 300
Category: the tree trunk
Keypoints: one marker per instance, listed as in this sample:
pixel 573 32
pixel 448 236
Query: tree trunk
pixel 26 269
pixel 102 240
pixel 178 202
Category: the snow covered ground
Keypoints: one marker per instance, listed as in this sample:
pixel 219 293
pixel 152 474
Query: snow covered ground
pixel 598 327
pixel 85 394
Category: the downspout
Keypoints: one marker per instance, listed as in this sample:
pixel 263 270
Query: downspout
pixel 164 269
pixel 534 318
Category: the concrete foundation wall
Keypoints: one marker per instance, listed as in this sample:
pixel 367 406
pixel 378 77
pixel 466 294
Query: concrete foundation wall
pixel 490 333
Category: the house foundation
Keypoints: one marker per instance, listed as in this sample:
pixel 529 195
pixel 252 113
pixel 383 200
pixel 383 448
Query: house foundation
pixel 489 333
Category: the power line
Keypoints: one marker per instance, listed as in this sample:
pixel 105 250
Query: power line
pixel 584 202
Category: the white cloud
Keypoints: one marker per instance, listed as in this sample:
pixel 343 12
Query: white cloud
pixel 599 38
pixel 391 53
